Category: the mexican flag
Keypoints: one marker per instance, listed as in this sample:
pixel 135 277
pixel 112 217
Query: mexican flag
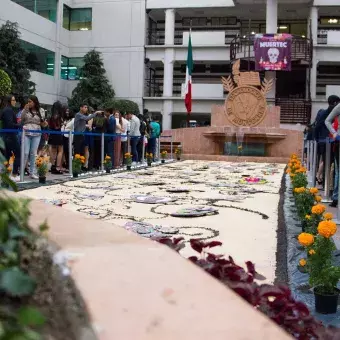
pixel 188 81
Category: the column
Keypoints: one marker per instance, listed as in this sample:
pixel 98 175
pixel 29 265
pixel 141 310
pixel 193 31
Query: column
pixel 169 57
pixel 271 27
pixel 169 27
pixel 271 16
pixel 167 114
pixel 313 78
pixel 57 56
pixel 314 22
pixel 313 34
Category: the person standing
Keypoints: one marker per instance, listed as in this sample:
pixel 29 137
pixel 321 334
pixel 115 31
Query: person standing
pixel 143 132
pixel 321 134
pixel 99 126
pixel 55 141
pixel 124 139
pixel 111 129
pixel 68 125
pixel 134 135
pixel 12 145
pixel 117 142
pixel 335 134
pixel 154 135
pixel 80 122
pixel 31 119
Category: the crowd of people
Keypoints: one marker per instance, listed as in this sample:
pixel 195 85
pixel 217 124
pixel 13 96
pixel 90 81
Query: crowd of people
pixel 49 134
pixel 325 129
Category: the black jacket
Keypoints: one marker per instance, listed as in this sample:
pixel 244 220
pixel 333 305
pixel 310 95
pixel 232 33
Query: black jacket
pixel 321 131
pixel 9 120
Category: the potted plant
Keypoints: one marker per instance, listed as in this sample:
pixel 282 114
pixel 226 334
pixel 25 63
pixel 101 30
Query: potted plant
pixel 108 164
pixel 323 275
pixel 178 153
pixel 149 158
pixel 42 168
pixel 77 163
pixel 128 160
pixel 164 155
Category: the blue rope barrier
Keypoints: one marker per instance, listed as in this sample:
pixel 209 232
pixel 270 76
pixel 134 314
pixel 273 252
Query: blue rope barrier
pixel 51 132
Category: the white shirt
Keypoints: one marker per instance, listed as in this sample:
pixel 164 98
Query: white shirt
pixel 124 129
pixel 68 126
pixel 118 126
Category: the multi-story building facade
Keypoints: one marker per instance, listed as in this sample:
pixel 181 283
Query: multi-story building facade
pixel 144 47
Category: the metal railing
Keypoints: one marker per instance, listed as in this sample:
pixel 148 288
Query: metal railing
pixel 23 133
pixel 294 111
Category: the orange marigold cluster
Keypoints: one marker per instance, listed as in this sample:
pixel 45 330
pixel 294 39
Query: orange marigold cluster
pixel 306 239
pixel 327 228
pixel 318 209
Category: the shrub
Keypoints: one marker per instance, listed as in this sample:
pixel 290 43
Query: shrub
pixel 276 302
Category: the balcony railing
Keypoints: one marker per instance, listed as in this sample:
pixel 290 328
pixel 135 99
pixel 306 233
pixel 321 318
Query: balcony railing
pixel 157 37
pixel 294 111
pixel 243 48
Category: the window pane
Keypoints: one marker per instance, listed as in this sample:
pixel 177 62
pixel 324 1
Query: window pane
pixel 45 8
pixel 64 68
pixel 39 59
pixel 66 17
pixel 75 68
pixel 81 19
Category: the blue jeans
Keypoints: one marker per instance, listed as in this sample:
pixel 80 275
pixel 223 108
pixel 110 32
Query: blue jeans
pixel 336 182
pixel 152 146
pixel 133 143
pixel 31 148
pixel 110 149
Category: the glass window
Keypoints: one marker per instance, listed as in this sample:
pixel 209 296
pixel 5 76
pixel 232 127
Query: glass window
pixel 39 59
pixel 66 17
pixel 330 21
pixel 77 19
pixel 45 8
pixel 71 68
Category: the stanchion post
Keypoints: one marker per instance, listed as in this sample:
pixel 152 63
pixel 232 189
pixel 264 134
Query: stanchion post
pixel 70 157
pixel 102 144
pixel 22 156
pixel 159 148
pixel 314 165
pixel 327 166
pixel 171 148
pixel 143 149
pixel 307 155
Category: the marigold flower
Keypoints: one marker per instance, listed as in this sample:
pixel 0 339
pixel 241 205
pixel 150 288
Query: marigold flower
pixel 318 199
pixel 306 239
pixel 107 157
pixel 311 252
pixel 292 175
pixel 9 169
pixel 288 171
pixel 318 209
pixel 302 262
pixel 6 163
pixel 327 228
pixel 307 217
pixel 313 190
pixel 299 190
pixel 328 216
pixel 77 156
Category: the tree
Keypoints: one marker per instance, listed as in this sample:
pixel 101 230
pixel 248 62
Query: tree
pixel 122 105
pixel 13 60
pixel 5 83
pixel 94 89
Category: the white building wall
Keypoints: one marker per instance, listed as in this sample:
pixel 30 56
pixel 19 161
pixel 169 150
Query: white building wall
pixel 118 32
